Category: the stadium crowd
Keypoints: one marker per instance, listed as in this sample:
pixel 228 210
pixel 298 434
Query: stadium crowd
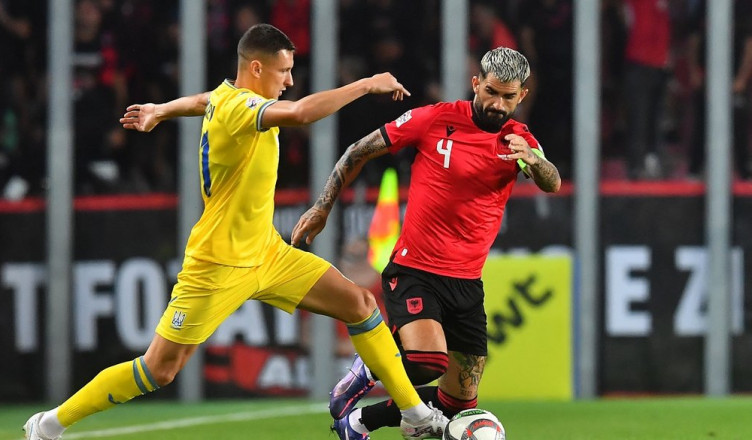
pixel 126 51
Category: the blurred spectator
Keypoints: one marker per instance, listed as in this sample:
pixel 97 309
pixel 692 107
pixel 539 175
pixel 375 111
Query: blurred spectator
pixel 613 42
pixel 742 72
pixel 21 110
pixel 99 92
pixel 645 73
pixel 488 30
pixel 293 17
pixel 148 163
pixel 244 16
pixel 546 40
pixel 220 48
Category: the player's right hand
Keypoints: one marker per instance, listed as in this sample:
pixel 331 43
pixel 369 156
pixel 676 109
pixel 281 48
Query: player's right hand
pixel 309 225
pixel 387 83
pixel 140 117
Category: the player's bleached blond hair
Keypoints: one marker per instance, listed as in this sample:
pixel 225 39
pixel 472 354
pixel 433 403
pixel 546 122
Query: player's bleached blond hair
pixel 505 64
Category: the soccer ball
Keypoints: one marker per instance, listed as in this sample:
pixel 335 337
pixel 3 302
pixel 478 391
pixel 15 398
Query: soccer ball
pixel 474 424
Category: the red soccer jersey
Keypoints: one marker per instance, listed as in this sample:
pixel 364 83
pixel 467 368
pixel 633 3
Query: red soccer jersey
pixel 458 189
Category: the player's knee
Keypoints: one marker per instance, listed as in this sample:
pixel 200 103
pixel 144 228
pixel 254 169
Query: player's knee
pixel 164 376
pixel 164 373
pixel 362 305
pixel 423 367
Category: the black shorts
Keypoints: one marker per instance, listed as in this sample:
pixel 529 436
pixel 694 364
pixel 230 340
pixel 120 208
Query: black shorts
pixel 456 303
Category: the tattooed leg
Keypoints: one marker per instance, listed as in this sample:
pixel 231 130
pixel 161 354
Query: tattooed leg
pixel 463 375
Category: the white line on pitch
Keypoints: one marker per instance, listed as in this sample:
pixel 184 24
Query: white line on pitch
pixel 312 408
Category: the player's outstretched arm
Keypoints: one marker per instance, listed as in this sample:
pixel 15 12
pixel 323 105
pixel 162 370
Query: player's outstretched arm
pixel 345 171
pixel 322 104
pixel 144 117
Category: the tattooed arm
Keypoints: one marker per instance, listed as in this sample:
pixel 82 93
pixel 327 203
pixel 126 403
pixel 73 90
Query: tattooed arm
pixel 345 171
pixel 543 172
pixel 545 175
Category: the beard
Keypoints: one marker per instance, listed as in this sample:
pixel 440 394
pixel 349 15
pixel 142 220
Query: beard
pixel 487 119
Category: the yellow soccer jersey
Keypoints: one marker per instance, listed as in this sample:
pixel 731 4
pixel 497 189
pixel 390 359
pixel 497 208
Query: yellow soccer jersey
pixel 238 165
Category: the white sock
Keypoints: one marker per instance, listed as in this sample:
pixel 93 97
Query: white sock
pixel 355 423
pixel 50 425
pixel 416 413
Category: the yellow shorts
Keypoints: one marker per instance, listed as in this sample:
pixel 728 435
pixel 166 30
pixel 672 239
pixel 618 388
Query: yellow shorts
pixel 207 293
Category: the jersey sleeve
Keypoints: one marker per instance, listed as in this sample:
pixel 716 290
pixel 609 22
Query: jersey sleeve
pixel 408 128
pixel 242 113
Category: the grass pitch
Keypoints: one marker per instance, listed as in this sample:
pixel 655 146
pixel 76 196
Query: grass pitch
pixel 607 419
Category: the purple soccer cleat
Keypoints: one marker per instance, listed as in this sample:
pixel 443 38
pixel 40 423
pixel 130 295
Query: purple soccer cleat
pixel 345 431
pixel 350 389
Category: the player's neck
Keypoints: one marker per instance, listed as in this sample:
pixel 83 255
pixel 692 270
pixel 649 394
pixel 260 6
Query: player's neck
pixel 243 80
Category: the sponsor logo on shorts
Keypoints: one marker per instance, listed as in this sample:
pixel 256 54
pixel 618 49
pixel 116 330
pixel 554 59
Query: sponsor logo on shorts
pixel 414 305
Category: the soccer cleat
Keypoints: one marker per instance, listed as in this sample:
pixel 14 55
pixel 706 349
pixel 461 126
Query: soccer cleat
pixel 345 431
pixel 350 389
pixel 432 426
pixel 32 431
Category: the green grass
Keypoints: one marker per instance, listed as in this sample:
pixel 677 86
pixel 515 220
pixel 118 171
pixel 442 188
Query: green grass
pixel 611 419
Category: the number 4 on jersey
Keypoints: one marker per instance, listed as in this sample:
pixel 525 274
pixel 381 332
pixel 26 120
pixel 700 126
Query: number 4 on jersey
pixel 446 152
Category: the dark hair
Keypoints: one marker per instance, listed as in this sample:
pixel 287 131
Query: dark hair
pixel 263 38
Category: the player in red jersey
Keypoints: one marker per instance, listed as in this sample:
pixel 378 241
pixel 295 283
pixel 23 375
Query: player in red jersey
pixel 469 154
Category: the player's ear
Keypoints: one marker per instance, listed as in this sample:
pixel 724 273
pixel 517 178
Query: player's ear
pixel 255 68
pixel 523 93
pixel 476 84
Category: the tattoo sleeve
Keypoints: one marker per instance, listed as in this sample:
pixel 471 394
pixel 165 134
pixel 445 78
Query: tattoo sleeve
pixel 546 176
pixel 348 167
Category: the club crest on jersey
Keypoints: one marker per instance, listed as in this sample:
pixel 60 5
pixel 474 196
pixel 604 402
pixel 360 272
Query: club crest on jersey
pixel 404 118
pixel 177 320
pixel 252 102
pixel 414 305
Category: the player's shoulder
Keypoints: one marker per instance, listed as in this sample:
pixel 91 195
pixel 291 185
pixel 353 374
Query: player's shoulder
pixel 453 107
pixel 516 127
pixel 441 112
pixel 227 92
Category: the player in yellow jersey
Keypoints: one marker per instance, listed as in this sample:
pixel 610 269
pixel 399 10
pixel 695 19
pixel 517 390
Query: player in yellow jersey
pixel 234 253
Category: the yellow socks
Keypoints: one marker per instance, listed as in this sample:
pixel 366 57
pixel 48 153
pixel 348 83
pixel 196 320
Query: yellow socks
pixel 375 345
pixel 116 384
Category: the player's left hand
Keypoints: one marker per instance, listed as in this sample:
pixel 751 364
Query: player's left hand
pixel 309 225
pixel 520 150
pixel 140 117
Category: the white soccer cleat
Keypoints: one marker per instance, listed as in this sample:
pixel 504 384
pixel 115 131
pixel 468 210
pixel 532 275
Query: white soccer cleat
pixel 32 430
pixel 431 427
